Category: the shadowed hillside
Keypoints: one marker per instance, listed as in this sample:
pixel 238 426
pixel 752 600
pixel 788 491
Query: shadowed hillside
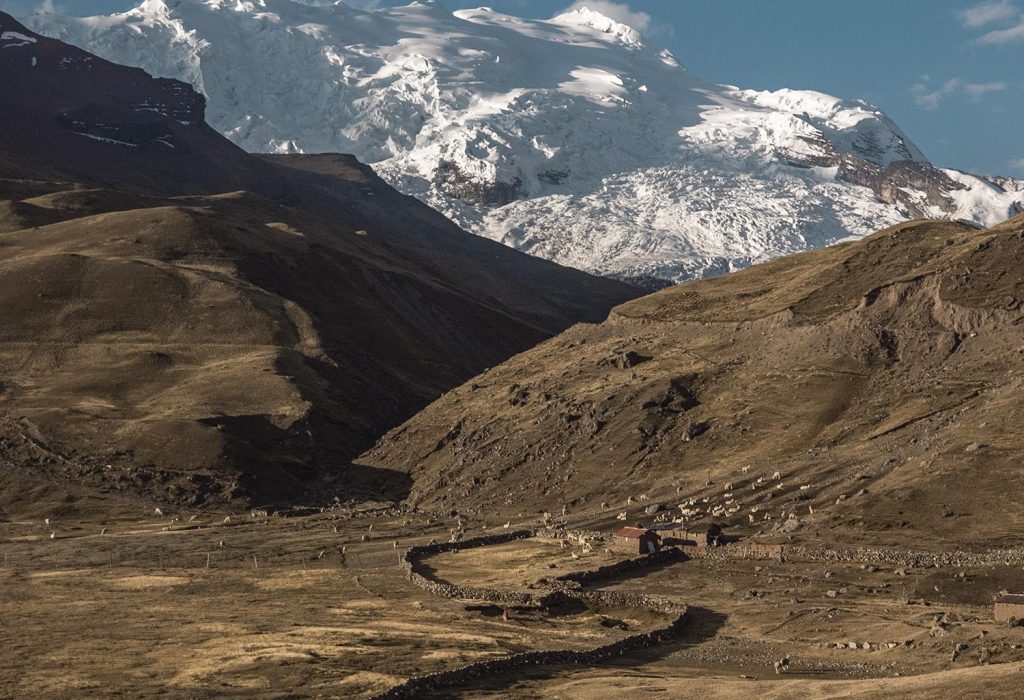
pixel 182 320
pixel 880 379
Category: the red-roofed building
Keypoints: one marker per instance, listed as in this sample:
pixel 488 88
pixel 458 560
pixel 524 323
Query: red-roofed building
pixel 638 540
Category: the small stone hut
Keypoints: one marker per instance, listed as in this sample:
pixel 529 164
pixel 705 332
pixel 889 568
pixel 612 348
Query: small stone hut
pixel 1009 607
pixel 700 536
pixel 637 540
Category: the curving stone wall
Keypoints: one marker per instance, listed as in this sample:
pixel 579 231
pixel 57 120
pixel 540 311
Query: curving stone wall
pixel 417 685
pixel 410 561
pixel 565 588
pixel 585 578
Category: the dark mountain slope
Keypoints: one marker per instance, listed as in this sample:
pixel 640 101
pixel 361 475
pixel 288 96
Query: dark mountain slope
pixel 186 321
pixel 881 379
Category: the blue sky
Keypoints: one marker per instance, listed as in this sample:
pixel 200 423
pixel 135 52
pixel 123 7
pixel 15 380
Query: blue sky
pixel 950 72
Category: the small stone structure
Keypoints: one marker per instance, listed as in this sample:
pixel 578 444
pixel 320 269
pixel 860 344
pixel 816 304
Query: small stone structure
pixel 707 536
pixel 636 540
pixel 1009 607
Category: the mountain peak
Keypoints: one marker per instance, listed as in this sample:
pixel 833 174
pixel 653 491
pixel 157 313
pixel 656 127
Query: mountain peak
pixel 566 138
pixel 586 17
pixel 153 7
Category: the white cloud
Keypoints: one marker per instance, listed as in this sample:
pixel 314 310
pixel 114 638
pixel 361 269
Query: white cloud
pixel 987 13
pixel 928 97
pixel 1004 36
pixel 979 90
pixel 999 12
pixel 618 11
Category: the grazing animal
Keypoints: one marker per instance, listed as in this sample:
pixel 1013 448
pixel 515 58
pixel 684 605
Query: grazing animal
pixel 157 511
pixel 782 665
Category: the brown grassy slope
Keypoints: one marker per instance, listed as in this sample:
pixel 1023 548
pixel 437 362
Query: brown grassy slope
pixel 182 320
pixel 863 373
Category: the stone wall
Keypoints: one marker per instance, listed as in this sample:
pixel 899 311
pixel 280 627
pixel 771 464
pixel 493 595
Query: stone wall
pixel 906 557
pixel 416 686
pixel 586 578
pixel 627 599
pixel 410 561
pixel 750 550
pixel 565 588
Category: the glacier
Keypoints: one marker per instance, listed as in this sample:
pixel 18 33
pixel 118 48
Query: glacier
pixel 571 138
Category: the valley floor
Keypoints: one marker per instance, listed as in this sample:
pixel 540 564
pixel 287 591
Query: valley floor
pixel 317 605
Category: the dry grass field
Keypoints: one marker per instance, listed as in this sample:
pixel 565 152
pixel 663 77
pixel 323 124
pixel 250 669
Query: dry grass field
pixel 187 329
pixel 280 612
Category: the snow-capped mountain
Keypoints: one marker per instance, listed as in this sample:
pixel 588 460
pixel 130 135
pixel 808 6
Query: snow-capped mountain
pixel 570 138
